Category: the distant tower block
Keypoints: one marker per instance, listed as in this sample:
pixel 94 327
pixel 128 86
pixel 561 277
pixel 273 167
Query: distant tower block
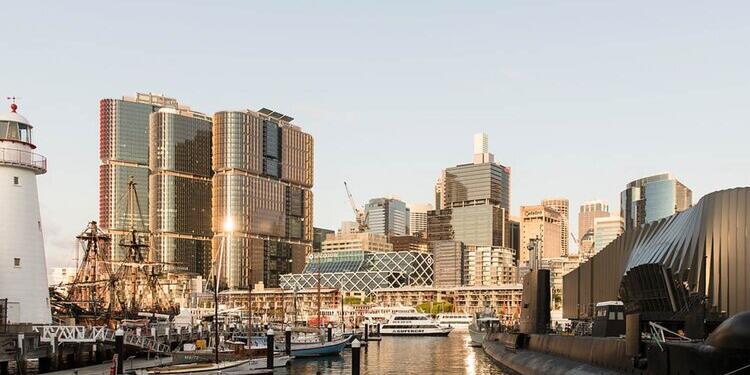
pixel 23 268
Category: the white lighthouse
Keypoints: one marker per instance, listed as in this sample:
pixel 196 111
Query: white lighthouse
pixel 23 267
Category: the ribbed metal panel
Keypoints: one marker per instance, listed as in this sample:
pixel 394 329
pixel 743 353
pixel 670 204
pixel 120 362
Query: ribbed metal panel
pixel 705 249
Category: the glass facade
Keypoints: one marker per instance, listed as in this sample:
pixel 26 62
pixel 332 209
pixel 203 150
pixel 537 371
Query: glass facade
pixel 363 271
pixel 653 198
pixel 481 225
pixel 488 182
pixel 262 181
pixel 123 151
pixel 387 216
pixel 180 189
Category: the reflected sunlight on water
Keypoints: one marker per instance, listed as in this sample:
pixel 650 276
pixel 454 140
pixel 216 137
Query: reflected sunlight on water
pixel 406 355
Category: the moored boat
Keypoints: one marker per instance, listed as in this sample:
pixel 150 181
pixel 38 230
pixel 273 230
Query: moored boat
pixel 319 349
pixel 413 324
pixel 459 321
pixel 480 326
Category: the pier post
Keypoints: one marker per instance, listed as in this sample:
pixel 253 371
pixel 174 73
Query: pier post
pixel 288 340
pixel 269 349
pixel 367 331
pixel 355 356
pixel 120 348
pixel 330 332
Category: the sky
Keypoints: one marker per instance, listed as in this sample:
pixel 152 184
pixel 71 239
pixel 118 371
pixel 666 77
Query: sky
pixel 577 97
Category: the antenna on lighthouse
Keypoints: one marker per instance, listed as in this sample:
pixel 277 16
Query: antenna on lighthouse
pixel 13 105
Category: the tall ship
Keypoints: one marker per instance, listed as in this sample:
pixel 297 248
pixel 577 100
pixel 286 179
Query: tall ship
pixel 413 324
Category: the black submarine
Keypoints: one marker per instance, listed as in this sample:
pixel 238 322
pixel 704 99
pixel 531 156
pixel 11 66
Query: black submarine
pixel 669 297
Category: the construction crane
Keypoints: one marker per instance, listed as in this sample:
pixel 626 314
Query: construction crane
pixel 360 215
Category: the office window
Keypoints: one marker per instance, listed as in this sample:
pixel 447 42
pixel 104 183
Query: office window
pixel 17 262
pixel 15 180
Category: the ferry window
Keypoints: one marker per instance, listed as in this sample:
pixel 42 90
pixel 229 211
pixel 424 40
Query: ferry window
pixel 620 316
pixel 3 128
pixel 612 315
pixel 17 262
pixel 15 180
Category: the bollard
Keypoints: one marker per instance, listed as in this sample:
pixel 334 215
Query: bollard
pixel 330 332
pixel 379 329
pixel 367 331
pixel 269 348
pixel 288 340
pixel 120 348
pixel 355 356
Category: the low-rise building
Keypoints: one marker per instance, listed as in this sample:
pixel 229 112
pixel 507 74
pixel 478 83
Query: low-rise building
pixel 356 241
pixel 409 243
pixel 363 271
pixel 504 299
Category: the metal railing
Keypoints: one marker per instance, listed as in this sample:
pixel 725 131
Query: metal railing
pixel 78 334
pixel 23 158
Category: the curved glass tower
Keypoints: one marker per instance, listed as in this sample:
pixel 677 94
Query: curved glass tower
pixel 261 198
pixel 180 189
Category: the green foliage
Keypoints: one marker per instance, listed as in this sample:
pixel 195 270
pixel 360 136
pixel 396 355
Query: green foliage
pixel 434 308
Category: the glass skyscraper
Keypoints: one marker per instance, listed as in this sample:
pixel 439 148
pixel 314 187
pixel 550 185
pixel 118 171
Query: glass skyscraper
pixel 180 189
pixel 652 198
pixel 474 201
pixel 387 216
pixel 124 154
pixel 261 197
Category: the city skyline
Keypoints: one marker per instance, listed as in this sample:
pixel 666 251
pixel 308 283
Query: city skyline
pixel 516 87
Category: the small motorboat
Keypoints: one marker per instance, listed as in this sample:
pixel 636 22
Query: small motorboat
pixel 318 349
pixel 480 326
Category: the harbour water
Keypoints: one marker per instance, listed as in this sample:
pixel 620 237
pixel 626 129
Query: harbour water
pixel 405 355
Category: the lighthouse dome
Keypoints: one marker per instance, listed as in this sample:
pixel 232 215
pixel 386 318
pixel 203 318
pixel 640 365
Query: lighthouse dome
pixel 14 117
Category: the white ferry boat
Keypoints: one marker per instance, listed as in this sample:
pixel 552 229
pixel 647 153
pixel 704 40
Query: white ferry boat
pixel 413 324
pixel 382 314
pixel 460 322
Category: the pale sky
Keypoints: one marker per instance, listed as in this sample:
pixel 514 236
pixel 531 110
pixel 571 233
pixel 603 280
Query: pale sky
pixel 577 97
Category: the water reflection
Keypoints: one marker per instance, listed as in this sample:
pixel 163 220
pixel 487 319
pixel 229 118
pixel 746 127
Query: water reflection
pixel 405 355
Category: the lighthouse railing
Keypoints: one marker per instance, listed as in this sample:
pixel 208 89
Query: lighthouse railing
pixel 23 158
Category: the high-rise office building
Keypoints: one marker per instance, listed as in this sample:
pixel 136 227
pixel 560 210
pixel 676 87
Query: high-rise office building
pixel 652 198
pixel 473 201
pixel 387 216
pixel 561 205
pixel 180 189
pixel 606 230
pixel 124 154
pixel 261 199
pixel 544 223
pixel 448 257
pixel 320 235
pixel 418 217
pixel 440 192
pixel 586 215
